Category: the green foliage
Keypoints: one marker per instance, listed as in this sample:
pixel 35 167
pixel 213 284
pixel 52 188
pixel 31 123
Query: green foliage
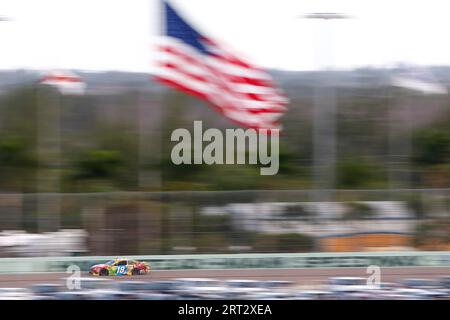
pixel 432 146
pixel 99 164
pixel 101 144
pixel 17 164
pixel 18 112
pixel 15 152
pixel 108 162
pixel 181 172
pixel 356 173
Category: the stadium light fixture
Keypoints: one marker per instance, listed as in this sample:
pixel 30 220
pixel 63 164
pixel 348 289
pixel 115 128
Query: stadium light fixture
pixel 326 16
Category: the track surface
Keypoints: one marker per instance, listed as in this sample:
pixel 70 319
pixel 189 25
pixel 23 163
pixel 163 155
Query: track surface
pixel 305 277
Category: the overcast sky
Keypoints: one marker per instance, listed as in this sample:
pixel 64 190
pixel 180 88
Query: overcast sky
pixel 116 34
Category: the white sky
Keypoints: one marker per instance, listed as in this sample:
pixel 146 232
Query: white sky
pixel 116 34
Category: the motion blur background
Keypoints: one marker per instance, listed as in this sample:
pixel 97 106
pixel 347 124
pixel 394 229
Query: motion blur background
pixel 91 174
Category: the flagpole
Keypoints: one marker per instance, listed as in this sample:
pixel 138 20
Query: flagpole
pixel 158 126
pixel 163 211
pixel 391 138
pixel 150 179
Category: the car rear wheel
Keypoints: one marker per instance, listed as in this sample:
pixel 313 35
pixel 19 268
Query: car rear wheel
pixel 104 272
pixel 135 272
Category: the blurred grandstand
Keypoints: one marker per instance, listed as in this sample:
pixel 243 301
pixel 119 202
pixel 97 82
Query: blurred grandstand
pixel 334 288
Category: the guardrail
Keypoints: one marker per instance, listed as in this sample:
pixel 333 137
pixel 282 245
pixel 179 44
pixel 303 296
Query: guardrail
pixel 238 261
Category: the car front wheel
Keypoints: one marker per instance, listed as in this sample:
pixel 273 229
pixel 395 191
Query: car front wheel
pixel 104 272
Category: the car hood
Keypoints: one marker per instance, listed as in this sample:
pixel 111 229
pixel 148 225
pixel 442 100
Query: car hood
pixel 101 265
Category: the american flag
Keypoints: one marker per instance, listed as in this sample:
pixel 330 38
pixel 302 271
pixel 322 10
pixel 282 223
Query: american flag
pixel 66 82
pixel 188 61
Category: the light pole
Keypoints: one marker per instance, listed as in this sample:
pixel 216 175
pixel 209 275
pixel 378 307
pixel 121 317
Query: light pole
pixel 49 103
pixel 326 16
pixel 324 114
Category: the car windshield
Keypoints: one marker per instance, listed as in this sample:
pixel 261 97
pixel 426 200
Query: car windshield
pixel 110 262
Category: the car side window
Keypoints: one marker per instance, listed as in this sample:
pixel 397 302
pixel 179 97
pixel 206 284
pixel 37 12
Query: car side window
pixel 122 263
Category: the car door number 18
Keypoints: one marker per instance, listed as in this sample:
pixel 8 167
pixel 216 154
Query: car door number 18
pixel 121 270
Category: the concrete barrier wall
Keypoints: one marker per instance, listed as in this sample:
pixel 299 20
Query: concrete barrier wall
pixel 237 261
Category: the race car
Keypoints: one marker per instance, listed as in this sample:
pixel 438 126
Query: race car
pixel 120 267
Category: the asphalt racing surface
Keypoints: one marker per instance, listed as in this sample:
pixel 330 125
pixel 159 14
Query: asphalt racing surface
pixel 306 277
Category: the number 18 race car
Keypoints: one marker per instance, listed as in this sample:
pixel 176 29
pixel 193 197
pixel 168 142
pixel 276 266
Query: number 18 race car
pixel 120 267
